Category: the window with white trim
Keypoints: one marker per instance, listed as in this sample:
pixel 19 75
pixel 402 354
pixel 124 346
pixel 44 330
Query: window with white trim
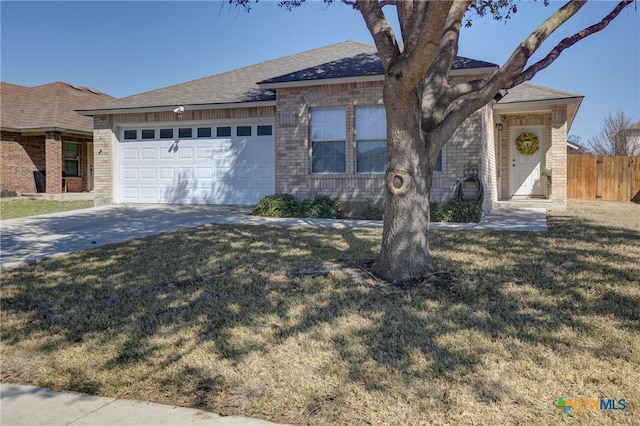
pixel 371 139
pixel 328 140
pixel 71 159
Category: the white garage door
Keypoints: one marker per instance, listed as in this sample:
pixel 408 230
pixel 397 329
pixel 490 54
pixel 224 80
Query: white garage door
pixel 199 165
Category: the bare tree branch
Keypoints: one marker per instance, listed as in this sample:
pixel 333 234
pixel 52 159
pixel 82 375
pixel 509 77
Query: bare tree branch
pixel 380 30
pixel 566 43
pixel 477 95
pixel 518 59
pixel 405 15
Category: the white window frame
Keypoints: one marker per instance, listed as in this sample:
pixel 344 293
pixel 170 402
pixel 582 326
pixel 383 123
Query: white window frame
pixel 76 159
pixel 318 136
pixel 369 135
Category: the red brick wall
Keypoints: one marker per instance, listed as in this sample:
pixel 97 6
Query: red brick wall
pixel 20 156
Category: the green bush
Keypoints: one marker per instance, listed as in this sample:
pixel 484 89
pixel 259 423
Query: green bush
pixel 277 205
pixel 456 211
pixel 371 211
pixel 321 206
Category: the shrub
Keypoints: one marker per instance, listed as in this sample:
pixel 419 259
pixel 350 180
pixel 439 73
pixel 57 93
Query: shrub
pixel 5 193
pixel 321 206
pixel 456 211
pixel 371 211
pixel 277 205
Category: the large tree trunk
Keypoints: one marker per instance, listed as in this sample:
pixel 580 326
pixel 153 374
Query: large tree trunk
pixel 405 245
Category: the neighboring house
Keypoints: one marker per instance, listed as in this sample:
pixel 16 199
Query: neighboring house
pixel 574 149
pixel 46 146
pixel 633 138
pixel 312 123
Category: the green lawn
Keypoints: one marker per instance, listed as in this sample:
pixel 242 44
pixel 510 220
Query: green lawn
pixel 212 318
pixel 22 208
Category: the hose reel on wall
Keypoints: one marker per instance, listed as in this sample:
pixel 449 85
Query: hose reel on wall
pixel 470 188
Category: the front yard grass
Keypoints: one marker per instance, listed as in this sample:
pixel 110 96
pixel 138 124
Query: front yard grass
pixel 11 209
pixel 209 318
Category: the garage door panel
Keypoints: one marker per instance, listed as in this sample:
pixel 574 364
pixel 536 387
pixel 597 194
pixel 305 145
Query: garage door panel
pixel 204 153
pixel 148 174
pixel 185 152
pixel 198 171
pixel 204 173
pixel 148 194
pixel 185 172
pixel 130 154
pixel 130 174
pixel 130 194
pixel 164 153
pixel 166 173
pixel 148 154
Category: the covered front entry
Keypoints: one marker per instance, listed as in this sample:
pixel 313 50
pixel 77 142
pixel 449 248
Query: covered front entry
pixel 205 164
pixel 525 168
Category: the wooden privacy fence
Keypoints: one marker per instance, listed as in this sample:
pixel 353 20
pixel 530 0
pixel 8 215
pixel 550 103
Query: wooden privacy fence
pixel 594 177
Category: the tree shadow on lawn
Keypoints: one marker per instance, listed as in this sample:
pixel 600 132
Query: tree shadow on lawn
pixel 152 305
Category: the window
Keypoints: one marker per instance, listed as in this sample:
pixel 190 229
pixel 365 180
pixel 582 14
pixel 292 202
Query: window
pixel 371 139
pixel 148 134
pixel 204 132
pixel 243 131
pixel 438 166
pixel 130 134
pixel 265 130
pixel 166 133
pixel 328 130
pixel 71 159
pixel 184 133
pixel 222 132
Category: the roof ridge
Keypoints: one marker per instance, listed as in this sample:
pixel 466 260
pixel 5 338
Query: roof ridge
pixel 537 86
pixel 246 67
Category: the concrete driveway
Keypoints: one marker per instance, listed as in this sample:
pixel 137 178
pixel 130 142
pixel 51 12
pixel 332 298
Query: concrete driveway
pixel 29 239
pixel 33 238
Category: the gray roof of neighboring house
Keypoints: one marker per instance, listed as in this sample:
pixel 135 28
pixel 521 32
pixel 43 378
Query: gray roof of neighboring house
pixel 345 59
pixel 50 106
pixel 527 92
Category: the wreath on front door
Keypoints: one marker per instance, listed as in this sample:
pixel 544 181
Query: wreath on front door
pixel 527 143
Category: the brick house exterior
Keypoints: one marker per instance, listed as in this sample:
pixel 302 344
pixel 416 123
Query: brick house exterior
pixel 37 124
pixel 343 77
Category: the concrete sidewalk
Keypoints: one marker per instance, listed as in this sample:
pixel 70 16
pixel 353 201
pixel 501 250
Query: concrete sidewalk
pixel 511 219
pixel 34 406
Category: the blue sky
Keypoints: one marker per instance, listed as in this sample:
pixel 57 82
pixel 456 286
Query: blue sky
pixel 123 48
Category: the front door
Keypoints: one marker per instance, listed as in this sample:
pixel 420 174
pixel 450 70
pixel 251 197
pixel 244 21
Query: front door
pixel 525 167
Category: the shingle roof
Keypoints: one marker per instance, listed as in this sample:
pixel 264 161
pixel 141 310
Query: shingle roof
pixel 527 92
pixel 48 106
pixel 345 59
pixel 363 64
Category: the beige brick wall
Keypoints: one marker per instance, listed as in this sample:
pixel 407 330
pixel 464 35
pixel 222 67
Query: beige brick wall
pixel 553 146
pixel 293 162
pixel 103 140
pixel 53 158
pixel 465 148
pixel 504 154
pixel 556 157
